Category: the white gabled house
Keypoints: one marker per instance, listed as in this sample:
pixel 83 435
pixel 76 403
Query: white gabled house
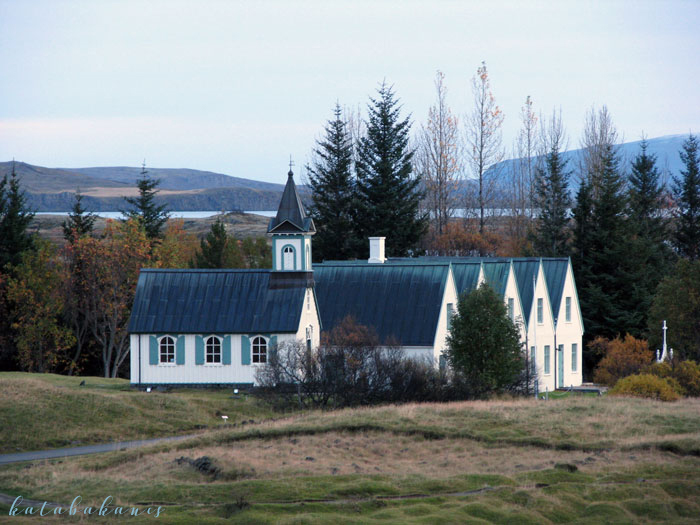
pixel 568 322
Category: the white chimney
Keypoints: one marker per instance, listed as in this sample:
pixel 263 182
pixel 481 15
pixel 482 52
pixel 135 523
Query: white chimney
pixel 376 250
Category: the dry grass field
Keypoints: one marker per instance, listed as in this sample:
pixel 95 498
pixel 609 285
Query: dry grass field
pixel 570 460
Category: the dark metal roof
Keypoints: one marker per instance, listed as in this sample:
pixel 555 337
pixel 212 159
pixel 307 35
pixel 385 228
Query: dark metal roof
pixel 400 301
pixel 496 275
pixel 291 217
pixel 213 301
pixel 555 274
pixel 525 271
pixel 466 276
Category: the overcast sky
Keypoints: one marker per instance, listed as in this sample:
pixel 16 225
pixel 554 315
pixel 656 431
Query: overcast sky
pixel 236 87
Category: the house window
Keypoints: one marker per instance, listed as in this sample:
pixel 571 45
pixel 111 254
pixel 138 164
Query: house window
pixel 288 262
pixel 540 311
pixel 450 315
pixel 213 350
pixel 309 336
pixel 533 365
pixel 259 350
pixel 511 308
pixel 546 359
pixel 568 309
pixel 574 356
pixel 308 300
pixel 167 350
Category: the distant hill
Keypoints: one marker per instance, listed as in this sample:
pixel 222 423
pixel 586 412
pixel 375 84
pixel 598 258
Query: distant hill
pixel 177 179
pixel 53 189
pixel 665 148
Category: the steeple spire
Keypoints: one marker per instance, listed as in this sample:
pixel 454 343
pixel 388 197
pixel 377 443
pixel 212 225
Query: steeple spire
pixel 291 217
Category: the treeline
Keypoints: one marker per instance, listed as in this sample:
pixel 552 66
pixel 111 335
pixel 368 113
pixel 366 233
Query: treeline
pixel 633 236
pixel 66 310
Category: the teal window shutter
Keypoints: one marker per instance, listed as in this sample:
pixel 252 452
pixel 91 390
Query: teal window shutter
pixel 153 350
pixel 198 350
pixel 272 345
pixel 180 350
pixel 226 351
pixel 245 350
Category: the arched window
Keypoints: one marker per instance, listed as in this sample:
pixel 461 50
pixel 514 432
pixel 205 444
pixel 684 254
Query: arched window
pixel 259 350
pixel 167 350
pixel 288 258
pixel 213 349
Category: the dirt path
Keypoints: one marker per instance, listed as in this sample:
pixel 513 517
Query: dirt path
pixel 87 449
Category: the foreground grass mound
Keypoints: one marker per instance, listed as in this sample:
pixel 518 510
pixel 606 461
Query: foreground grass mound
pixel 42 411
pixel 573 460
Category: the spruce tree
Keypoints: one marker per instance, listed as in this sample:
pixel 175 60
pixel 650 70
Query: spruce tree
pixel 144 209
pixel 651 249
pixel 552 198
pixel 333 197
pixel 687 193
pixel 389 195
pixel 605 299
pixel 483 345
pixel 218 250
pixel 14 221
pixel 583 233
pixel 80 222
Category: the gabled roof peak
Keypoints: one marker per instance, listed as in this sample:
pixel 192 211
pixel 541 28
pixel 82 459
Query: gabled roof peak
pixel 291 217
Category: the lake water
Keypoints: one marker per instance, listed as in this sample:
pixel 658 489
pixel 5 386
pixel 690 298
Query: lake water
pixel 173 214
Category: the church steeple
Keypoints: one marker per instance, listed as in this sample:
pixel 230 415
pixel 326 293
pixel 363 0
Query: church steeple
pixel 291 230
pixel 291 217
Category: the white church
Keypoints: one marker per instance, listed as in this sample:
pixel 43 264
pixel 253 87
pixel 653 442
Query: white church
pixel 215 327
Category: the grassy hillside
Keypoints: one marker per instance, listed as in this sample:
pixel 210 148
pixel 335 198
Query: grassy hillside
pixel 106 410
pixel 572 460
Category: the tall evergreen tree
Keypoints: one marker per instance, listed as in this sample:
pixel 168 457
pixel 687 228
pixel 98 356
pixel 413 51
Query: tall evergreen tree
pixel 218 250
pixel 80 222
pixel 144 209
pixel 651 249
pixel 605 293
pixel 583 233
pixel 687 193
pixel 389 194
pixel 14 221
pixel 334 199
pixel 552 198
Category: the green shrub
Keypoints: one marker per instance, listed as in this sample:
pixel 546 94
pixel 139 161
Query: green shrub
pixel 645 385
pixel 683 376
pixel 687 373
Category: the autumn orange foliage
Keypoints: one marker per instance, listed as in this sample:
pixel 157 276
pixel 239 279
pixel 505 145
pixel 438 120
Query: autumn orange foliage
pixel 623 357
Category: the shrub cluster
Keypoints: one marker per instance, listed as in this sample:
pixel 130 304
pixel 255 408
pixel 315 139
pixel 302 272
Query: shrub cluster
pixel 352 368
pixel 622 358
pixel 683 376
pixel 645 385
